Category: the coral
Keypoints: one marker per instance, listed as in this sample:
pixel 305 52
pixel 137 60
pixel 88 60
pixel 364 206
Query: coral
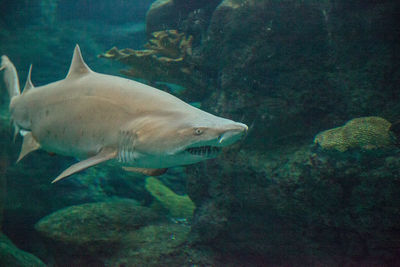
pixel 167 58
pixel 178 206
pixel 365 133
pixel 171 44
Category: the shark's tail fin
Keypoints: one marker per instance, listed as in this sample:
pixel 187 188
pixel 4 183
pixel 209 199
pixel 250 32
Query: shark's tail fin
pixel 12 83
pixel 10 77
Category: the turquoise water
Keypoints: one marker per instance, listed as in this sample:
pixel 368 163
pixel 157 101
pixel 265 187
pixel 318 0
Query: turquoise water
pixel 315 181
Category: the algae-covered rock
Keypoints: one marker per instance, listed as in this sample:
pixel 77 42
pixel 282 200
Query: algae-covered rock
pixel 178 206
pixel 365 133
pixel 153 245
pixel 95 223
pixel 10 255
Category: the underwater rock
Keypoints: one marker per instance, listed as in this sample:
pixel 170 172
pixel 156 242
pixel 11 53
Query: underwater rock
pixel 178 206
pixel 10 255
pixel 159 16
pixel 96 224
pixel 252 44
pixel 4 161
pixel 296 207
pixel 363 133
pixel 169 14
pixel 153 245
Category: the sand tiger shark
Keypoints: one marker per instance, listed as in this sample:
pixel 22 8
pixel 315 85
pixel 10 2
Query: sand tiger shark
pixel 97 117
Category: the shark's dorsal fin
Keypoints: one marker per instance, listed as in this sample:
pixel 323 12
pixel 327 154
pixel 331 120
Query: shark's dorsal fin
pixel 29 144
pixel 102 156
pixel 78 67
pixel 28 84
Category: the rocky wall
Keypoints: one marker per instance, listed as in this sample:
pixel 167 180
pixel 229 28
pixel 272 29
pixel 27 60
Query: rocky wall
pixel 290 69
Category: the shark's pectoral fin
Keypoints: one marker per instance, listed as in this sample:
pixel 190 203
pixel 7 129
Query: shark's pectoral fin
pixel 151 172
pixel 102 156
pixel 29 144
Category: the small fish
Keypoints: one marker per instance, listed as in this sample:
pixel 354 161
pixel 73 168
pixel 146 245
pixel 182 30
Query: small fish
pixel 97 117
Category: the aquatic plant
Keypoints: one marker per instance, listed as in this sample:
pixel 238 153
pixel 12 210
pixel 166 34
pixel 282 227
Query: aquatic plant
pixel 365 133
pixel 178 206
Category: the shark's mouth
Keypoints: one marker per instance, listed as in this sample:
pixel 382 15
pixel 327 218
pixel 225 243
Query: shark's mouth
pixel 204 150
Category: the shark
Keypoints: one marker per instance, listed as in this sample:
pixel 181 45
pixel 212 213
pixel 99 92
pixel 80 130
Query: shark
pixel 96 118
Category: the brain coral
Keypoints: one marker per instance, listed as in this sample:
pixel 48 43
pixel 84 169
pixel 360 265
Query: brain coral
pixel 365 133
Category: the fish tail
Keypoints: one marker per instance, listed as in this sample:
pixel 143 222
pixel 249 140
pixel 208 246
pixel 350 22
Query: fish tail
pixel 10 77
pixel 11 82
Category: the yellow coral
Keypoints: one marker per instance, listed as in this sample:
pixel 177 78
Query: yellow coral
pixel 171 44
pixel 365 133
pixel 167 58
pixel 177 205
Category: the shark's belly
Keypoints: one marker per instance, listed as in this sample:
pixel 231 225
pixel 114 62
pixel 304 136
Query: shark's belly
pixel 78 127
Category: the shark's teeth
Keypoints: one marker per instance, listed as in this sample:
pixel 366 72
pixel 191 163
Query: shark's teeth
pixel 203 150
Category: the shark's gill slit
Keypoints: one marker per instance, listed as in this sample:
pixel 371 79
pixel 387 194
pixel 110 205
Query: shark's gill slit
pixel 126 147
pixel 126 156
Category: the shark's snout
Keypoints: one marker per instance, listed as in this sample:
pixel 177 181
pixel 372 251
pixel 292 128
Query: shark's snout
pixel 232 133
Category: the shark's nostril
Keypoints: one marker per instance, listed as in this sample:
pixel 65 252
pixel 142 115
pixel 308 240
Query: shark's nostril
pixel 243 127
pixel 233 133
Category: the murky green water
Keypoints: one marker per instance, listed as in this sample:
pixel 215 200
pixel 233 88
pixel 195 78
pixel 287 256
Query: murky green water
pixel 314 181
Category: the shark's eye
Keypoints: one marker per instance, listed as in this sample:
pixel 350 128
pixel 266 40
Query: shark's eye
pixel 198 131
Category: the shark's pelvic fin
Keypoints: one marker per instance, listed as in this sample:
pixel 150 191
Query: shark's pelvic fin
pixel 29 144
pixel 78 66
pixel 102 156
pixel 150 172
pixel 28 84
